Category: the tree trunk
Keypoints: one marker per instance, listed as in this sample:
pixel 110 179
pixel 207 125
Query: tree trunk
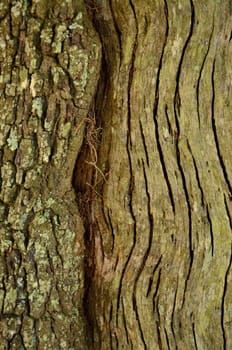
pixel 129 106
pixel 50 62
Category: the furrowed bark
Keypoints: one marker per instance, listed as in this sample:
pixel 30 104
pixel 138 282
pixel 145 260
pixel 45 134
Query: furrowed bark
pixel 50 61
pixel 115 137
pixel 160 227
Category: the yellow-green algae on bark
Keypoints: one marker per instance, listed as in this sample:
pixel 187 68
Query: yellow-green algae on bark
pixel 50 60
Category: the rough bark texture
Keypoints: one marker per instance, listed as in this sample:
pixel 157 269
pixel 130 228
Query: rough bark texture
pixel 50 60
pixel 142 132
pixel 161 224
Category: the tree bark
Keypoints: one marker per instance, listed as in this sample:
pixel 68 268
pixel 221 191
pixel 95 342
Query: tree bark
pixel 116 227
pixel 50 62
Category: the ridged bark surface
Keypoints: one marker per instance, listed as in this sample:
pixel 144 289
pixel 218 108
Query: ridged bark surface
pixel 115 135
pixel 161 225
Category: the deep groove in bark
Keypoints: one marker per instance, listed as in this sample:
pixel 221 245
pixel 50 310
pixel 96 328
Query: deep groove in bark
pixel 151 229
pixel 124 322
pixel 152 276
pixel 154 301
pixel 200 74
pixel 210 229
pixel 194 335
pixel 172 317
pixel 155 109
pixel 223 301
pixel 177 104
pixel 166 338
pixel 214 128
pixel 144 142
pixel 84 182
pixel 228 212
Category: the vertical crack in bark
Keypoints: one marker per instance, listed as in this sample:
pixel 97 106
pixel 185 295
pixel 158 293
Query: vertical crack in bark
pixel 172 317
pixel 223 301
pixel 200 74
pixel 214 127
pixel 119 34
pixel 177 105
pixel 110 225
pixel 194 336
pixel 197 175
pixel 166 338
pixel 154 301
pixel 152 276
pixel 158 323
pixel 155 109
pixel 144 142
pixel 146 254
pixel 124 322
pixel 210 229
pixel 228 212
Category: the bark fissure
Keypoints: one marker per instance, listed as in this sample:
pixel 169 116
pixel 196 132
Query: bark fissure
pixel 223 302
pixel 210 229
pixel 228 212
pixel 177 105
pixel 152 277
pixel 200 75
pixel 155 110
pixel 194 335
pixel 214 128
pixel 115 203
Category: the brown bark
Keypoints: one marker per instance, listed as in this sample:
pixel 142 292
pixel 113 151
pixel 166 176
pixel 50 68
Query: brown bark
pixel 160 228
pixel 141 258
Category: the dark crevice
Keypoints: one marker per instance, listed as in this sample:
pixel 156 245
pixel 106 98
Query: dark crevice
pixel 156 291
pixel 124 322
pixel 144 143
pixel 117 30
pixel 210 229
pixel 228 212
pixel 131 182
pixel 143 263
pixel 164 169
pixel 200 74
pixel 84 184
pixel 177 100
pixel 138 321
pixel 152 276
pixel 230 36
pixel 151 229
pixel 155 109
pixel 170 131
pixel 223 301
pixel 110 321
pixel 177 105
pixel 110 225
pixel 172 317
pixel 167 340
pixel 197 175
pixel 194 336
pixel 214 127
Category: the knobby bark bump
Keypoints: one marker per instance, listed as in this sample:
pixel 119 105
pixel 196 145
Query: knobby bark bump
pixel 116 227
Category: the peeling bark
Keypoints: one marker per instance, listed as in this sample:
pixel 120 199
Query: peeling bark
pixel 116 223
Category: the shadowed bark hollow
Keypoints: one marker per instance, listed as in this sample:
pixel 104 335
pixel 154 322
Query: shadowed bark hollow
pixel 115 136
